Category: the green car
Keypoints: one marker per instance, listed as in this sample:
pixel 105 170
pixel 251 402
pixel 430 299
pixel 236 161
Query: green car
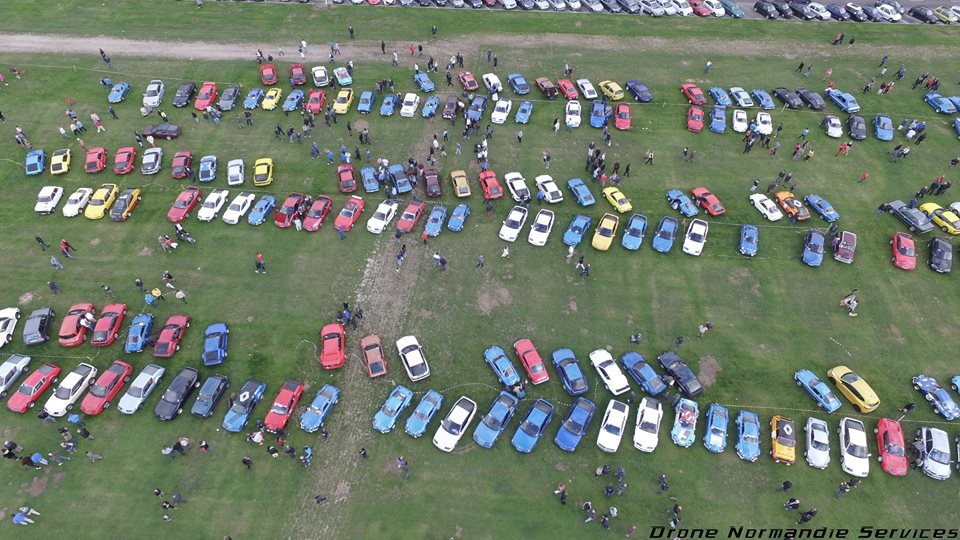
pixel 732 9
pixel 945 14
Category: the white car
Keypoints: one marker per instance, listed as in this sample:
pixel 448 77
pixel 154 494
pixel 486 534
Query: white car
pixel 820 11
pixel 668 7
pixel 71 387
pixel 889 13
pixel 833 126
pixel 77 202
pixel 855 9
pixel 696 237
pixel 542 5
pixel 647 433
pixel 573 5
pixel 586 89
pixel 765 206
pixel 546 185
pixel 414 362
pixel 935 453
pixel 508 4
pixel 558 5
pixel 320 76
pixel 501 111
pixel 492 83
pixel 48 199
pixel 818 443
pixel 716 7
pixel 609 372
pixel 10 371
pixel 593 5
pixel 411 102
pixel 150 163
pixel 573 113
pixel 512 225
pixel 683 8
pixel 652 8
pixel 741 97
pixel 955 9
pixel 455 424
pixel 238 208
pixel 740 121
pixel 153 94
pixel 140 389
pixel 8 323
pixel 517 186
pixel 764 123
pixel 383 216
pixel 854 457
pixel 234 172
pixel 541 227
pixel 212 204
pixel 612 427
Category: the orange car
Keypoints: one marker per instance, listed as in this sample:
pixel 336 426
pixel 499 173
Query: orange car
pixel 373 356
pixel 792 206
pixel 783 440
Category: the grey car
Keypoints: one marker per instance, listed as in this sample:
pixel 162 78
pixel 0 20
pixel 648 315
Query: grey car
pixel 228 99
pixel 11 370
pixel 37 328
pixel 210 393
pixel 857 127
pixel 911 217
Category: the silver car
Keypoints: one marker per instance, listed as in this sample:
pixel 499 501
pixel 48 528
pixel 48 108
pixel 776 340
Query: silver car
pixel 140 389
pixel 818 443
pixel 934 448
pixel 11 370
pixel 154 94
pixel 150 164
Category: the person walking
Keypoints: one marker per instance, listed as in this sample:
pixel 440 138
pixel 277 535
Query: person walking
pixel 247 462
pixel 55 263
pixel 181 295
pixel 480 261
pixel 261 265
pixel 43 244
pixel 65 248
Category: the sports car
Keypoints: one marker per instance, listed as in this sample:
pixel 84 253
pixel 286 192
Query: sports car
pixel 181 162
pixel 764 123
pixel 623 117
pixel 454 424
pixel 424 412
pixel 857 127
pixel 941 401
pixel 68 392
pixel 685 378
pixel 320 76
pixel 101 200
pixel 741 97
pixel 238 207
pixel 368 177
pixel 530 359
pixel 315 414
pixel 211 391
pixel 818 443
pixel 468 81
pixel 517 82
pixel 718 120
pixel 855 389
pixel 262 210
pixel 170 336
pixel 262 172
pixel 575 425
pixel 332 344
pixel 32 387
pixel 317 213
pixel 96 160
pixel 242 406
pixel 458 217
pixel 410 216
pixel 36 162
pixel 512 225
pixel 817 389
pixel 36 329
pixel 911 217
pixel 126 202
pixel 399 178
pixel 382 216
pixel 693 94
pixel 107 327
pixel 413 359
pixel 140 389
pixel 8 323
pixel 283 406
pixel 567 89
pixel 206 97
pixel 605 232
pixel 647 430
pixel 72 333
pixel 184 204
pixel 609 372
pixel 792 206
pixel 430 107
pixel 153 95
pixel 571 376
pixel 541 227
pixel 612 426
pixel 294 207
pixel 435 220
pixel 845 101
pixel 882 127
pixel 495 421
pixel 346 178
pixel 789 98
pixel 524 111
pixel 137 334
pixel 215 339
pixel 578 227
pixel 343 101
pixel 679 201
pixel 410 104
pixel 814 245
pixel 297 74
pixel 641 372
pixel 665 234
pixel 123 160
pixel 684 432
pixel 612 90
pixel 890 445
pixel 212 204
pixel 546 186
pixel 373 357
pixel 533 425
pixel 572 114
pixel 811 98
pixel 748 436
pixel 783 440
pixel 343 76
pixel 822 207
pixel 151 161
pixel 349 214
pixel 47 199
pixel 695 119
pixel 639 90
pixel 501 111
pixel 740 122
pixel 617 199
pixel 162 131
pixel 934 453
pixel 254 98
pixel 119 92
pixel 580 192
pixel 941 255
pixel 423 81
pixel 715 434
pixel 293 102
pixel 490 185
pixel 696 237
pixel 854 455
pixel 77 202
pixel 600 112
pixel 268 74
pixel 904 252
pixel 634 232
pixel 708 201
pixel 228 99
pixel 749 239
pixel 947 220
pixel 720 96
pixel 106 388
pixel 762 98
pixel 184 93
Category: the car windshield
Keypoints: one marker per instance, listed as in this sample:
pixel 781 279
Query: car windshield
pixel 451 427
pixel 665 233
pixel 279 409
pixel 492 422
pixel 573 426
pixel 894 449
pixel 750 439
pixel 939 456
pixel 856 450
pixel 63 392
pixel 529 428
pixel 612 429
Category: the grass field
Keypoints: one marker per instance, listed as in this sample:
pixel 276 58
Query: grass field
pixel 772 315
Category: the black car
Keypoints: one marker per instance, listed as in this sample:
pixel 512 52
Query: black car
pixel 171 403
pixel 941 255
pixel 37 328
pixel 475 4
pixel 802 10
pixel 630 6
pixel 526 4
pixel 787 96
pixel 783 7
pixel 425 3
pixel 640 91
pixel 123 207
pixel 166 131
pixel 857 127
pixel 686 379
pixel 856 12
pixel 184 94
pixel 228 99
pixel 766 9
pixel 923 14
pixel 811 98
pixel 895 4
pixel 873 14
pixel 914 219
pixel 612 6
pixel 210 393
pixel 838 12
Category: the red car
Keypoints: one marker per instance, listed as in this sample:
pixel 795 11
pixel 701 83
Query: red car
pixel 33 387
pixel 72 333
pixel 170 336
pixel 893 455
pixel 106 388
pixel 567 88
pixel 315 100
pixel 317 213
pixel 490 185
pixel 695 119
pixel 332 344
pixel 467 80
pixel 708 201
pixel 546 87
pixel 185 202
pixel 904 255
pixel 701 9
pixel 297 74
pixel 96 160
pixel 531 361
pixel 410 216
pixel 283 406
pixel 107 328
pixel 181 162
pixel 349 214
pixel 295 206
pixel 623 116
pixel 693 94
pixel 268 74
pixel 206 97
pixel 346 178
pixel 123 160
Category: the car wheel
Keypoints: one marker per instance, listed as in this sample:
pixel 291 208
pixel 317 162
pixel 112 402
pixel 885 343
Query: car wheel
pixel 179 411
pixel 196 384
pixel 880 459
pixel 891 242
pixel 3 394
pixel 115 335
pixel 70 407
pixel 55 380
pixel 25 368
pixel 17 316
pixel 876 430
pixel 126 379
pixel 106 404
pixel 9 338
pixel 178 347
pixel 916 387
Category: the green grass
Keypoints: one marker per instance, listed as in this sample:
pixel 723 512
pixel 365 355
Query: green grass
pixel 772 314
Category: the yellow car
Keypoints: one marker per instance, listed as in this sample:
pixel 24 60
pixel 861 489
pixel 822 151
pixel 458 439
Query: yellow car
pixel 60 162
pixel 612 90
pixel 460 185
pixel 263 172
pixel 783 440
pixel 274 95
pixel 945 15
pixel 126 202
pixel 101 201
pixel 344 99
pixel 615 197
pixel 855 389
pixel 606 230
pixel 943 218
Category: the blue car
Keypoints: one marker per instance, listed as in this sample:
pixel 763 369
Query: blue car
pixel 423 81
pixel 679 201
pixel 715 436
pixel 578 227
pixel 720 96
pixel 343 76
pixel 940 103
pixel 314 416
pixel 684 432
pixel 119 92
pixel 718 119
pixel 941 401
pixel 956 102
pixel 434 224
pixel 813 246
pixel 495 421
pixel 369 177
pixel 430 106
pixel 209 395
pixel 640 370
pixel 215 344
pixel 748 436
pixel 822 207
pixel 477 108
pixel 524 111
pixel 749 239
pixel 956 126
pixel 600 112
pixel 262 210
pixel 398 176
pixel 640 91
pixel 882 127
pixel 533 426
pixel 294 101
pixel 497 359
pixel 208 168
pixel 458 217
pixel 389 105
pixel 817 389
pixel 518 83
pixel 845 101
pixel 763 99
pixel 137 335
pixel 386 418
pixel 581 192
pixel 666 233
pixel 575 425
pixel 634 232
pixel 571 376
pixel 253 99
pixel 36 162
pixel 422 415
pixel 239 413
pixel 367 100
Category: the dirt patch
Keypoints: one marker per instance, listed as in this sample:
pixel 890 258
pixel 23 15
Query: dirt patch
pixel 342 492
pixel 709 368
pixel 572 306
pixel 25 298
pixel 489 299
pixel 145 252
pixel 95 241
pixel 250 318
pixel 560 466
pixel 37 486
pixel 897 334
pixel 738 276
